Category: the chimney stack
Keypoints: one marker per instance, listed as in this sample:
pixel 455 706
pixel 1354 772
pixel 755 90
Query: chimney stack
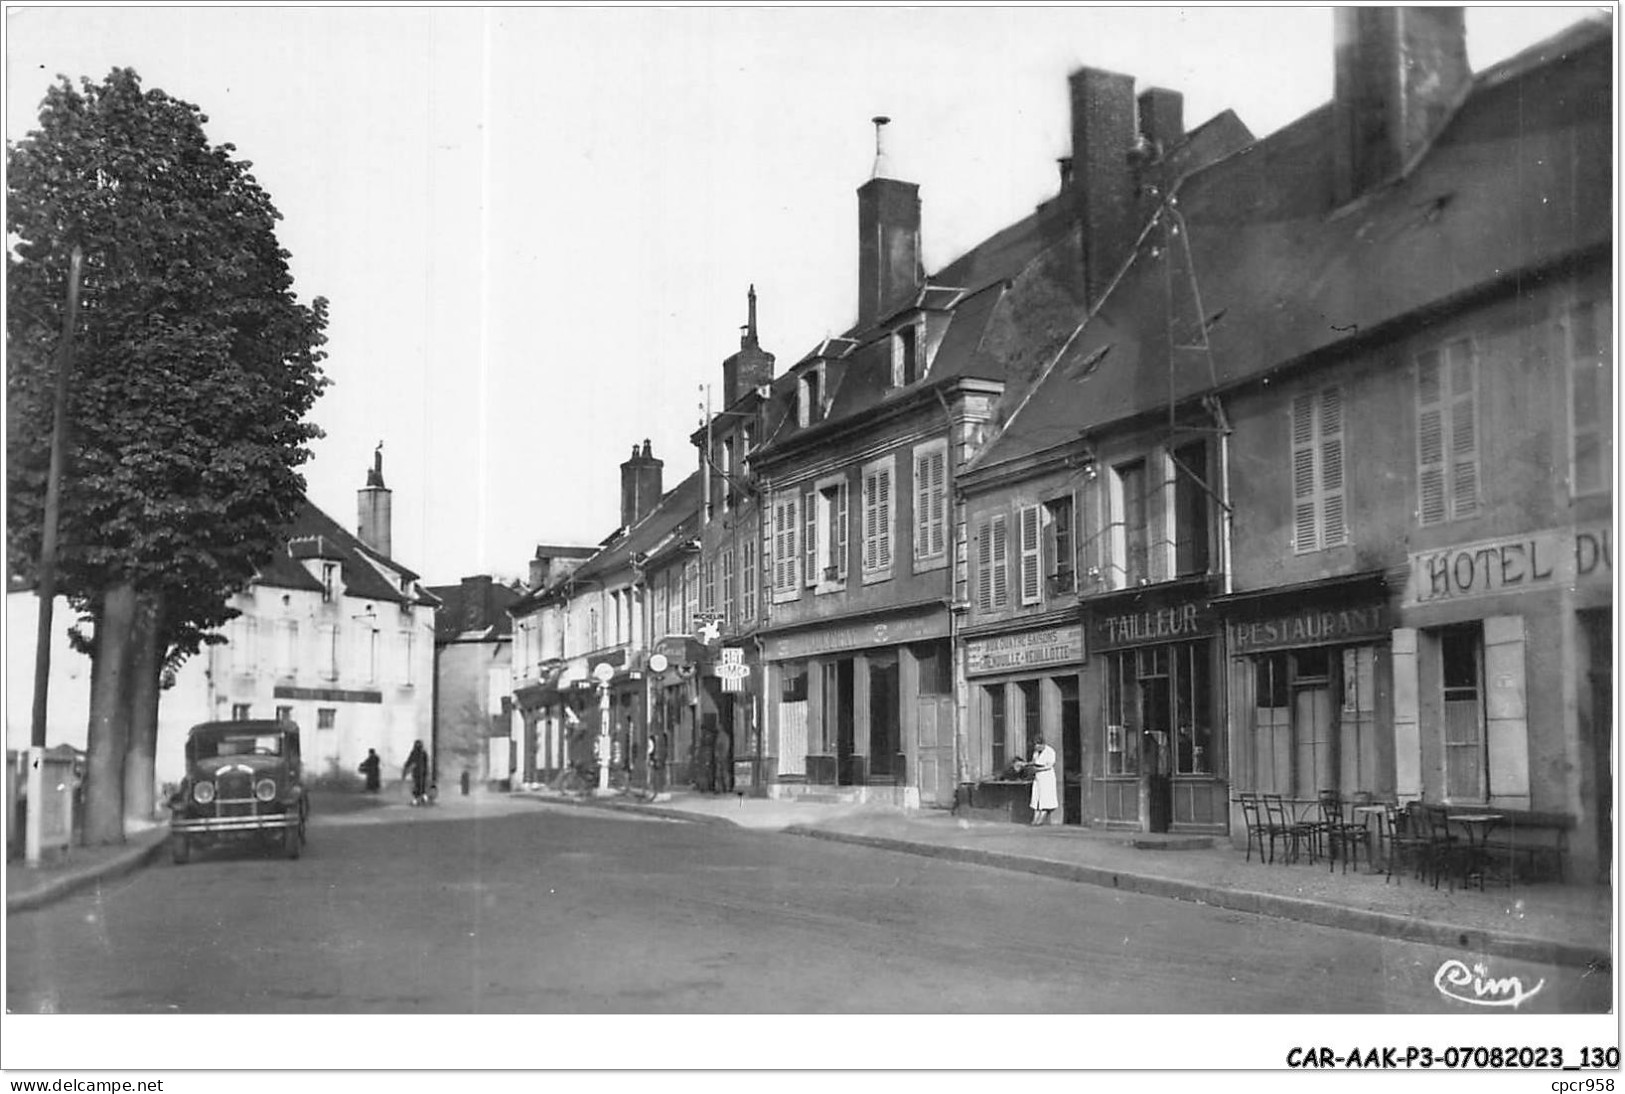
pixel 373 507
pixel 751 367
pixel 1162 119
pixel 1400 74
pixel 888 238
pixel 1104 136
pixel 640 485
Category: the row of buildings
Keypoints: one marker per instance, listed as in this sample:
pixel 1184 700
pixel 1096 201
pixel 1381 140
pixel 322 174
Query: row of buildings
pixel 1275 464
pixel 1240 464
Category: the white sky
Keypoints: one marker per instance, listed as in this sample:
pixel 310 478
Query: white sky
pixel 536 226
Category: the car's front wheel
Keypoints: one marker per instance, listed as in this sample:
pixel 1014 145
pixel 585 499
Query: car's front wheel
pixel 180 849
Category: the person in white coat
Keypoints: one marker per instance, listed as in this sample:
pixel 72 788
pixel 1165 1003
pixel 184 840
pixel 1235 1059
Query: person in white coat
pixel 1043 799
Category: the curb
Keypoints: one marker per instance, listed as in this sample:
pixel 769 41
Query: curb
pixel 617 805
pixel 125 862
pixel 1386 924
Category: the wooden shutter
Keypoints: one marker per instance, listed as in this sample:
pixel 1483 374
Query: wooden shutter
pixel 1001 561
pixel 1463 430
pixel 984 567
pixel 1091 538
pixel 1333 525
pixel 841 545
pixel 939 501
pixel 1305 525
pixel 930 517
pixel 1032 590
pixel 1430 439
pixel 809 540
pixel 871 512
pixel 883 516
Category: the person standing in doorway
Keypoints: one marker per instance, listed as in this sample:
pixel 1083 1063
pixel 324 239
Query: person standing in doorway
pixel 1044 799
pixel 724 778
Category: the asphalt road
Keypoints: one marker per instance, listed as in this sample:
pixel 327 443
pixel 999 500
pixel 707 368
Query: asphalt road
pixel 554 909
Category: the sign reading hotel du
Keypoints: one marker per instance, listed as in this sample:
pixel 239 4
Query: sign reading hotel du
pixel 1027 650
pixel 1535 561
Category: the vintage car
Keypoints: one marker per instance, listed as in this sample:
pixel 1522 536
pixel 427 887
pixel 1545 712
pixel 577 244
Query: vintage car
pixel 243 782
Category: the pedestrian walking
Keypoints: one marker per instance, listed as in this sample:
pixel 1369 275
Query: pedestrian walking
pixel 657 762
pixel 417 770
pixel 1042 765
pixel 370 770
pixel 723 754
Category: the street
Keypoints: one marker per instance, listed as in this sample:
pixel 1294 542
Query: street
pixel 534 908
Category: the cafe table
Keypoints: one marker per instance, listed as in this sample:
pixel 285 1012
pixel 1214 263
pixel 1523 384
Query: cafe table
pixel 1478 827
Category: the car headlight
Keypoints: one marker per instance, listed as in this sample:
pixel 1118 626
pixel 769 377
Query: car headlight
pixel 203 792
pixel 265 789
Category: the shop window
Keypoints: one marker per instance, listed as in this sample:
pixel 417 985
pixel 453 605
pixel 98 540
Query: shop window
pixel 1318 515
pixel 935 667
pixel 1193 729
pixel 1591 395
pixel 793 682
pixel 1159 702
pixel 997 726
pixel 1031 712
pixel 1191 508
pixel 1447 433
pixel 1123 721
pixel 1461 656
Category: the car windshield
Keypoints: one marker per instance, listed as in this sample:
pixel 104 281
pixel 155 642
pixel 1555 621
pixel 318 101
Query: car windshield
pixel 267 744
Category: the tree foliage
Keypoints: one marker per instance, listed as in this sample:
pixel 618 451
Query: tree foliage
pixel 195 364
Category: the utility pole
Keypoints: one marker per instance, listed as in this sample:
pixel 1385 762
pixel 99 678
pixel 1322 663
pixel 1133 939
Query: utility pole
pixel 47 562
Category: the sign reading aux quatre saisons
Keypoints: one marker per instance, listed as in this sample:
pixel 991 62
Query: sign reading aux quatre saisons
pixel 1026 650
pixel 1548 559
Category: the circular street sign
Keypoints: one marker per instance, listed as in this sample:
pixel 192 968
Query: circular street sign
pixel 658 663
pixel 603 672
pixel 732 670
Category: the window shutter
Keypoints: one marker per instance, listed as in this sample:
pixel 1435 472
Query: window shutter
pixel 1430 439
pixel 1333 526
pixel 1090 540
pixel 1031 589
pixel 1001 562
pixel 841 548
pixel 1463 431
pixel 809 539
pixel 778 543
pixel 871 508
pixel 791 559
pixel 984 567
pixel 938 466
pixel 922 505
pixel 883 518
pixel 1304 495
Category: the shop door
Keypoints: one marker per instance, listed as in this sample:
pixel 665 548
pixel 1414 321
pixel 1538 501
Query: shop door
pixel 1599 626
pixel 843 722
pixel 1312 722
pixel 1071 751
pixel 1156 753
pixel 885 740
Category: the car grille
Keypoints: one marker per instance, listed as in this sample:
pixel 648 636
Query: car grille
pixel 235 788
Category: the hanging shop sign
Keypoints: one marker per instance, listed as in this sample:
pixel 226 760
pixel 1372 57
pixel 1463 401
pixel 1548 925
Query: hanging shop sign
pixel 1549 559
pixel 732 670
pixel 1024 650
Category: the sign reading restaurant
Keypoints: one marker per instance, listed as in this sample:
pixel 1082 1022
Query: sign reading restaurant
pixel 1547 559
pixel 1027 650
pixel 1310 627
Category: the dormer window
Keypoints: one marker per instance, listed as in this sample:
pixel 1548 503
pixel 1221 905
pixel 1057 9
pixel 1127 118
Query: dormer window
pixel 905 356
pixel 809 396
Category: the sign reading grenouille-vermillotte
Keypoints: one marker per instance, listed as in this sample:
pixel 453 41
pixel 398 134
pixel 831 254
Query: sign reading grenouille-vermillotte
pixel 1025 650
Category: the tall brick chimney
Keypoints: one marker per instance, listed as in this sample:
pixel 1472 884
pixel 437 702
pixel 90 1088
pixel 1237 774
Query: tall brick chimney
pixel 1400 74
pixel 889 269
pixel 640 485
pixel 373 507
pixel 751 367
pixel 1104 132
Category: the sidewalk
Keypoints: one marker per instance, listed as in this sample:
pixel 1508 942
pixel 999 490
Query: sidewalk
pixel 79 868
pixel 1559 924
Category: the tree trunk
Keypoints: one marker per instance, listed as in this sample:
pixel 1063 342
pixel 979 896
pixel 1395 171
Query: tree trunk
pixel 146 667
pixel 109 725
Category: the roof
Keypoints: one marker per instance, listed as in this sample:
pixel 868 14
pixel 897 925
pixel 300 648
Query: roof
pixel 474 611
pixel 366 573
pixel 1518 180
pixel 677 512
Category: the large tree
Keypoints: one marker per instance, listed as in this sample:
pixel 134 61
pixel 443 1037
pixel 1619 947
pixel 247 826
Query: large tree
pixel 194 367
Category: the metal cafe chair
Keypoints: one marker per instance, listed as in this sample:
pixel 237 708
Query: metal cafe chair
pixel 1340 832
pixel 1407 843
pixel 1281 825
pixel 1256 829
